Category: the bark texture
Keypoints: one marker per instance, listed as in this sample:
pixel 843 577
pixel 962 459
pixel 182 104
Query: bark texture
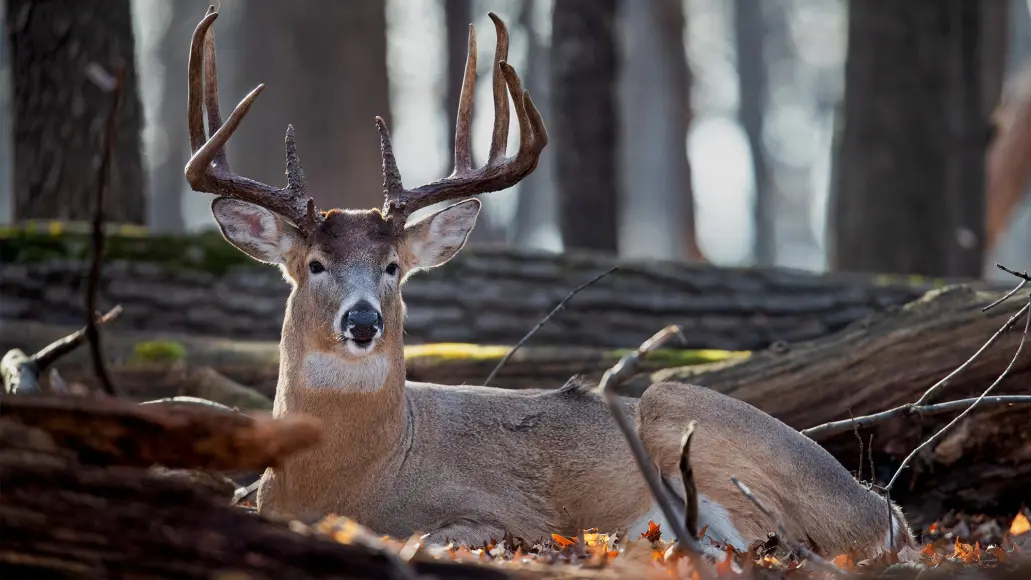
pixel 890 359
pixel 59 113
pixel 64 516
pixel 584 69
pixel 910 197
pixel 484 296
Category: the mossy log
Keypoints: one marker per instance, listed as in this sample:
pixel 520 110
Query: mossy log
pixel 152 365
pixel 200 284
pixel 890 359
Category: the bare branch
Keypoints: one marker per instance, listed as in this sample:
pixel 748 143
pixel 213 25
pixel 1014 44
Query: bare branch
pixel 802 549
pixel 21 372
pixel 1022 275
pixel 612 378
pixel 908 410
pixel 554 311
pixel 98 234
pixel 1009 323
pixel 687 474
pixel 936 436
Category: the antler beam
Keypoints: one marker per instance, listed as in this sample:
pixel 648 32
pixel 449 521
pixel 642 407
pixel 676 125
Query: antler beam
pixel 208 169
pixel 499 172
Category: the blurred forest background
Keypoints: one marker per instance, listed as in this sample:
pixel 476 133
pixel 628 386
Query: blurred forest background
pixel 872 135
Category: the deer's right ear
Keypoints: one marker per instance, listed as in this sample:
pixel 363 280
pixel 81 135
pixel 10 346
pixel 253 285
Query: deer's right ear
pixel 254 230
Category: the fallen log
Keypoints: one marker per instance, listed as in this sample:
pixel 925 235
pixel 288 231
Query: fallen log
pixel 136 363
pixel 890 359
pixel 107 431
pixel 61 518
pixel 199 284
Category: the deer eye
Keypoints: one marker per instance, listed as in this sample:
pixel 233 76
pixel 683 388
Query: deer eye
pixel 316 267
pixel 392 268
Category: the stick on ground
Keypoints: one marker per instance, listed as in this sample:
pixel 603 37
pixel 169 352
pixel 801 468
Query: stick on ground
pixel 21 372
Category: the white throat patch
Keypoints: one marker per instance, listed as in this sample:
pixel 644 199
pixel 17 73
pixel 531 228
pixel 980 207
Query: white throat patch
pixel 364 375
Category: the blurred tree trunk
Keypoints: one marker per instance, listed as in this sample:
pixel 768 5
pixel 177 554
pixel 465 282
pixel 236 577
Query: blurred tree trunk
pixel 457 17
pixel 169 182
pixel 911 191
pixel 656 114
pixel 749 34
pixel 59 112
pixel 535 206
pixel 324 63
pixel 584 126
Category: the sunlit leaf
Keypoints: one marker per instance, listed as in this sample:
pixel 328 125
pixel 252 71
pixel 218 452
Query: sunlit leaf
pixel 1020 525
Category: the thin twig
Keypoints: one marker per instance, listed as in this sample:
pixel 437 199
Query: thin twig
pixel 1005 297
pixel 243 492
pixel 687 475
pixel 908 410
pixel 936 436
pixel 927 394
pixel 559 306
pixel 98 235
pixel 57 349
pixel 855 430
pixel 192 401
pixel 782 531
pixel 1022 275
pixel 612 378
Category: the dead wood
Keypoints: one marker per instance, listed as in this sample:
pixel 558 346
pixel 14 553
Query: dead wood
pixel 889 360
pixel 61 519
pixel 107 431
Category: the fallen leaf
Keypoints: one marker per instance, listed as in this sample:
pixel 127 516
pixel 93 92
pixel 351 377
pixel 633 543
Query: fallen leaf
pixel 562 541
pixel 1020 525
pixel 654 532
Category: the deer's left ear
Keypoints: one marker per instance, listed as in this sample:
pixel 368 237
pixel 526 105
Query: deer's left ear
pixel 435 239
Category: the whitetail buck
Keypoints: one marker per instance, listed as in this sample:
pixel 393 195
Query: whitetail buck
pixel 470 463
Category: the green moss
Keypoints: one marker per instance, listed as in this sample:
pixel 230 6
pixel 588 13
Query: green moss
pixel 157 351
pixel 449 351
pixel 667 357
pixel 676 357
pixel 39 241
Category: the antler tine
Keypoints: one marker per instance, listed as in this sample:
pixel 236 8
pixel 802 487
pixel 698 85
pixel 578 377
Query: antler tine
pixel 499 172
pixel 211 89
pixel 208 169
pixel 464 118
pixel 499 138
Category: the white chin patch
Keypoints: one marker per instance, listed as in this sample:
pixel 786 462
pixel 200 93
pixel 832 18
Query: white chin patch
pixel 357 375
pixel 355 349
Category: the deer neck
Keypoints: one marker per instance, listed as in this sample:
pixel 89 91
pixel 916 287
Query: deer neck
pixel 361 402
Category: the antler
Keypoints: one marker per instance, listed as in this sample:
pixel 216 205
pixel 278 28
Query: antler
pixel 499 172
pixel 208 170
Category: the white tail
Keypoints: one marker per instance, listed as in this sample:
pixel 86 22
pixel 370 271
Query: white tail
pixel 471 463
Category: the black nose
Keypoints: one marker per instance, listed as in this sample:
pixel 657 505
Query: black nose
pixel 363 322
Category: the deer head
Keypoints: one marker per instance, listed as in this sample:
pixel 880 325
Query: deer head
pixel 346 267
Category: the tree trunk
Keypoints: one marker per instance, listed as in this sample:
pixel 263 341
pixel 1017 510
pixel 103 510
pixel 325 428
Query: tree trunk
pixel 584 64
pixel 910 197
pixel 749 34
pixel 59 113
pixel 655 116
pixel 536 210
pixel 323 63
pixel 173 142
